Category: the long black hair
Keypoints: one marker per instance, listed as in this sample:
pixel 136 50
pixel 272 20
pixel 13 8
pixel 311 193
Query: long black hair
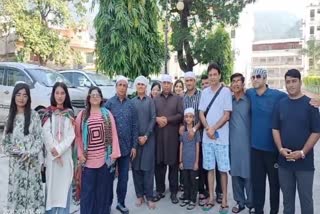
pixel 67 101
pixel 88 107
pixel 13 109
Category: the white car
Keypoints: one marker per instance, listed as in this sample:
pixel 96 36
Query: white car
pixel 40 79
pixel 86 79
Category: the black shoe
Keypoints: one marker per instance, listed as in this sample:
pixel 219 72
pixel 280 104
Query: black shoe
pixel 174 198
pixel 122 209
pixel 219 198
pixel 158 197
pixel 182 197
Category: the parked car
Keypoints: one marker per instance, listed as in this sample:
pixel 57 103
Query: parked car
pixel 40 79
pixel 86 79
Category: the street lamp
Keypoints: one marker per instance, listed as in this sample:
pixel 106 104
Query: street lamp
pixel 180 7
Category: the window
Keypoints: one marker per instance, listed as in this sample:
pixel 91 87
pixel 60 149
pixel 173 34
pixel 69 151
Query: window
pixel 263 60
pixel 318 11
pixel 14 75
pixel 290 60
pixel 68 76
pixel 298 60
pixel 80 80
pixel 1 76
pixel 312 14
pixel 89 58
pixel 318 28
pixel 311 30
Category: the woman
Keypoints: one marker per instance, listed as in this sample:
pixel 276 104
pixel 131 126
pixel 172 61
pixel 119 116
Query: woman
pixel 155 89
pixel 57 122
pixel 98 149
pixel 143 164
pixel 178 88
pixel 23 143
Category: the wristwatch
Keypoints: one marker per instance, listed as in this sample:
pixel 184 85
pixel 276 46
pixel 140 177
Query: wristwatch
pixel 302 154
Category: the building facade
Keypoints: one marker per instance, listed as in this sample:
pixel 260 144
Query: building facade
pixel 278 56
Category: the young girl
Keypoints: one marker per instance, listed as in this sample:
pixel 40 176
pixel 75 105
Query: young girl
pixel 98 149
pixel 23 143
pixel 57 122
pixel 188 161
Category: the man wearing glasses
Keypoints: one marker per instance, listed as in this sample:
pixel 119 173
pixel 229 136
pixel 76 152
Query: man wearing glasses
pixel 264 153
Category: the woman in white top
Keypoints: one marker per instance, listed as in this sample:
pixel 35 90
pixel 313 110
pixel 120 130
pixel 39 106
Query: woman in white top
pixel 57 122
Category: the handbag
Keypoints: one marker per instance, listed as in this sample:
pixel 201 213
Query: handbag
pixel 211 102
pixel 77 179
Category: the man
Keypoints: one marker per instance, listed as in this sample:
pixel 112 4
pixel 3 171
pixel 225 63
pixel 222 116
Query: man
pixel 169 115
pixel 263 151
pixel 204 81
pixel 126 119
pixel 296 130
pixel 191 100
pixel 215 141
pixel 205 84
pixel 240 145
pixel 143 164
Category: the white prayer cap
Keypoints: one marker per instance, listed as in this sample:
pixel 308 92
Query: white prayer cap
pixel 121 78
pixel 189 111
pixel 166 78
pixel 141 79
pixel 260 71
pixel 189 75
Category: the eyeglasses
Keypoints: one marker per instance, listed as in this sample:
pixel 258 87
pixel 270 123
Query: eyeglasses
pixel 258 76
pixel 95 95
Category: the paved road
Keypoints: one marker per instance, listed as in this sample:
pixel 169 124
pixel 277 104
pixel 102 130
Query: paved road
pixel 165 206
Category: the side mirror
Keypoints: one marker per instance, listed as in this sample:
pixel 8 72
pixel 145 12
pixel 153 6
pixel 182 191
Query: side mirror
pixel 87 84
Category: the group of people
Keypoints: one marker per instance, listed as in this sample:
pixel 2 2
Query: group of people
pixel 199 135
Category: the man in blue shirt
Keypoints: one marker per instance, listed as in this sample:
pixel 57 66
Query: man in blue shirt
pixel 126 119
pixel 296 130
pixel 264 153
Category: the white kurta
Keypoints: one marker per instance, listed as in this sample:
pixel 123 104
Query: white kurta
pixel 59 134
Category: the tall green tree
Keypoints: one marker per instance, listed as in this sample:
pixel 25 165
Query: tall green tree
pixel 195 23
pixel 313 52
pixel 127 38
pixel 35 23
pixel 216 48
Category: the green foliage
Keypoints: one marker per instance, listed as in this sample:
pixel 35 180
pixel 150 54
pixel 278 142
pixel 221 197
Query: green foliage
pixel 313 52
pixel 127 39
pixel 312 83
pixel 194 25
pixel 216 48
pixel 33 22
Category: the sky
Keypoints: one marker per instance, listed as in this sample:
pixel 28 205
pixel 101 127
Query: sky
pixel 293 6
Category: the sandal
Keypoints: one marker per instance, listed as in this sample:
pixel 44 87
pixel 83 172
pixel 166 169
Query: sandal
pixel 191 206
pixel 202 202
pixel 237 208
pixel 224 209
pixel 219 198
pixel 158 197
pixel 184 203
pixel 208 206
pixel 252 211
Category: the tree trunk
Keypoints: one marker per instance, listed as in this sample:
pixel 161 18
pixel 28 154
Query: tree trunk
pixel 187 63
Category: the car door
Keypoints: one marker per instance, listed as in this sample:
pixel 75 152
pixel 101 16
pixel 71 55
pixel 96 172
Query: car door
pixel 14 75
pixel 5 100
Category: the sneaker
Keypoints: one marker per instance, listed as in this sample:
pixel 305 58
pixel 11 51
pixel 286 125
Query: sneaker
pixel 122 209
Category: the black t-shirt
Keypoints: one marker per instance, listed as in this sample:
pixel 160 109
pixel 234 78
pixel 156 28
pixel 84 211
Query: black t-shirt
pixel 296 120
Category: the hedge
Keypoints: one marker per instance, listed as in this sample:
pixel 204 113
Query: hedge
pixel 312 83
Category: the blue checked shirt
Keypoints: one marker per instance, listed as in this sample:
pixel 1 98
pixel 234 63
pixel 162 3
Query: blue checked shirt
pixel 126 119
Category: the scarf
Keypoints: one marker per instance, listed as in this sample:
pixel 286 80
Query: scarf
pixel 107 135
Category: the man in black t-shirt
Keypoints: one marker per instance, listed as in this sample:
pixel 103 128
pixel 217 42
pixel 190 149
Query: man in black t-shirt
pixel 296 130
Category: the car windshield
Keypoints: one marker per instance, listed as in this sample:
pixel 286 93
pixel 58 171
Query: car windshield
pixel 100 80
pixel 48 77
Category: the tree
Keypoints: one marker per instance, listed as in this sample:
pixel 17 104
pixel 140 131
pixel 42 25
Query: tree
pixel 194 24
pixel 33 21
pixel 216 48
pixel 313 52
pixel 127 38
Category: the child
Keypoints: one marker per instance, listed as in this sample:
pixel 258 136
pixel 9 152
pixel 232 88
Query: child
pixel 189 159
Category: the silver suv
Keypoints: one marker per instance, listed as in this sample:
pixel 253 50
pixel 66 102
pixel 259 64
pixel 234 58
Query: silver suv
pixel 40 79
pixel 86 79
